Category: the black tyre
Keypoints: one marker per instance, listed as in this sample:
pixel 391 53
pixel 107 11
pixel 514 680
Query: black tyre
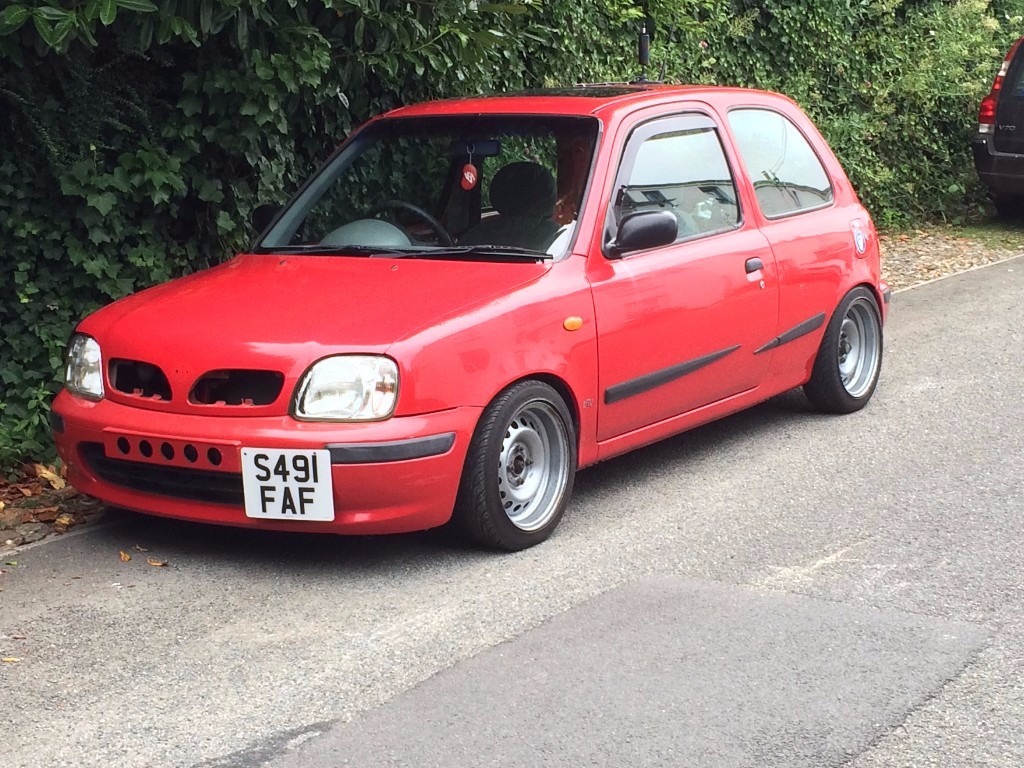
pixel 519 470
pixel 850 356
pixel 1008 206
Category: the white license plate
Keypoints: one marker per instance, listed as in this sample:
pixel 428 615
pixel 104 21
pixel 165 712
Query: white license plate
pixel 287 484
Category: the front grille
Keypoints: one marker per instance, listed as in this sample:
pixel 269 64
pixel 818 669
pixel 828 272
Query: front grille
pixel 176 482
pixel 139 379
pixel 237 387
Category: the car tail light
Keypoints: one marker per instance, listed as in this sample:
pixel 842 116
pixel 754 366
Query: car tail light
pixel 987 110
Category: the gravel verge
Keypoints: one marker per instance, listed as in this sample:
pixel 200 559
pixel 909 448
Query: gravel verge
pixel 923 255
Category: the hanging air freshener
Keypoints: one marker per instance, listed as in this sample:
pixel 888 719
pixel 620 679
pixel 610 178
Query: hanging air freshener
pixel 470 175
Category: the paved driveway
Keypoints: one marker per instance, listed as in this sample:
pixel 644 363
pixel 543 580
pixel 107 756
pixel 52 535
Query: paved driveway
pixel 777 589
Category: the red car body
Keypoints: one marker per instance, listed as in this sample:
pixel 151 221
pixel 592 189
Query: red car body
pixel 613 336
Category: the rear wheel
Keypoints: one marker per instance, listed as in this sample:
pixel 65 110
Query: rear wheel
pixel 1007 206
pixel 519 470
pixel 850 356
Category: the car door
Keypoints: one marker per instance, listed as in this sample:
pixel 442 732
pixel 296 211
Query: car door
pixel 813 238
pixel 678 324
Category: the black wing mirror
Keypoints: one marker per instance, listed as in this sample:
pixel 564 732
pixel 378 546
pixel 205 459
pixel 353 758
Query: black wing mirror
pixel 644 229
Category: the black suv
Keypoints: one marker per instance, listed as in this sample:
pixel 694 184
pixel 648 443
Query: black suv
pixel 999 143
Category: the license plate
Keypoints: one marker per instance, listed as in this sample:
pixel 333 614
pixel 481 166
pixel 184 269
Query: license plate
pixel 287 484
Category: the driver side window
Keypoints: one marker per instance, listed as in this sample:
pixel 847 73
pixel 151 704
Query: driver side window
pixel 678 165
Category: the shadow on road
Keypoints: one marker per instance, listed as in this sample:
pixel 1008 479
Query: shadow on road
pixel 674 453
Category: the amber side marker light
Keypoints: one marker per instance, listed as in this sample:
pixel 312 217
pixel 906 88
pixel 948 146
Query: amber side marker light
pixel 572 323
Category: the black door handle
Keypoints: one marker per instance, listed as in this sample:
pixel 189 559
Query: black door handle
pixel 754 264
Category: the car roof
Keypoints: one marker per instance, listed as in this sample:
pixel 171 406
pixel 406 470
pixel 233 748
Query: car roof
pixel 597 99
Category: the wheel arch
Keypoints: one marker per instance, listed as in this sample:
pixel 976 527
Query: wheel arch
pixel 561 386
pixel 875 291
pixel 870 286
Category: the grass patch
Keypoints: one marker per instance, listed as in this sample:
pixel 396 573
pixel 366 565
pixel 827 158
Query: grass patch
pixel 991 234
pixel 994 233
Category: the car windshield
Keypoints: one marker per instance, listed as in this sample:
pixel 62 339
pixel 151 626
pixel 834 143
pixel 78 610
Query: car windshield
pixel 498 187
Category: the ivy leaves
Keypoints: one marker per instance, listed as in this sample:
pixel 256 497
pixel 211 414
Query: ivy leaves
pixel 58 27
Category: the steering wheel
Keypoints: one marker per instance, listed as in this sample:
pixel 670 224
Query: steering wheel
pixel 426 218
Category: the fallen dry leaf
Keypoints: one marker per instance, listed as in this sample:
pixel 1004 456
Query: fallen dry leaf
pixel 140 549
pixel 63 522
pixel 156 563
pixel 10 659
pixel 46 514
pixel 25 491
pixel 2 505
pixel 125 557
pixel 17 637
pixel 49 474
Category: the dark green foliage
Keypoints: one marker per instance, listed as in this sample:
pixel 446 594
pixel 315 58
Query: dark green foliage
pixel 137 137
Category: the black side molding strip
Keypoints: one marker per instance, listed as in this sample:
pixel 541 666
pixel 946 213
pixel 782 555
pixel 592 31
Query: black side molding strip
pixel 656 379
pixel 807 326
pixel 394 450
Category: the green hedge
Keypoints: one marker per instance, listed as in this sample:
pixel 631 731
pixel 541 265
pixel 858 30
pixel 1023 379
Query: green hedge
pixel 136 138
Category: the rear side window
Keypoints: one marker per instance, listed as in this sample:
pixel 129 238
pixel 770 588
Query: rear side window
pixel 1013 86
pixel 787 175
pixel 678 165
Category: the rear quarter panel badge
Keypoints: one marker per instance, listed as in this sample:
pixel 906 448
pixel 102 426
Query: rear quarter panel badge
pixel 860 236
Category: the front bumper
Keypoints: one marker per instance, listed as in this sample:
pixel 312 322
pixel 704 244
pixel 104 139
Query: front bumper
pixel 388 477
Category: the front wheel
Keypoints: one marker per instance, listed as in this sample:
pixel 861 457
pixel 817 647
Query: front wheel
pixel 850 356
pixel 519 470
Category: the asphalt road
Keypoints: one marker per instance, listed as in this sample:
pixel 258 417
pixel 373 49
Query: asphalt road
pixel 777 589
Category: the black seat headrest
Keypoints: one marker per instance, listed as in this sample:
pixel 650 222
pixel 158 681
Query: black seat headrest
pixel 524 189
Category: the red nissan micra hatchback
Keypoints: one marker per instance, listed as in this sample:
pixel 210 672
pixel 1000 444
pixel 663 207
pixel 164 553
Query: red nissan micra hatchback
pixel 473 299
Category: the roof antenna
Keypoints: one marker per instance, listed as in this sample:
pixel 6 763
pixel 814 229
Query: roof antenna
pixel 643 45
pixel 643 50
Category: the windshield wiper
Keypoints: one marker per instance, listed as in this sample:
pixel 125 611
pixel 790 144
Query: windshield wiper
pixel 491 252
pixel 319 249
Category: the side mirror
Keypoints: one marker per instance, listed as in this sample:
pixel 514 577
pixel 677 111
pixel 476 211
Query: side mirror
pixel 263 215
pixel 644 229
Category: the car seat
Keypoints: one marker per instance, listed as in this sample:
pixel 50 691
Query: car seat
pixel 523 194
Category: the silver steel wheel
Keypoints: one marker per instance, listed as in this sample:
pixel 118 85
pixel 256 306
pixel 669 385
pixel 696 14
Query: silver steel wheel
pixel 533 465
pixel 860 348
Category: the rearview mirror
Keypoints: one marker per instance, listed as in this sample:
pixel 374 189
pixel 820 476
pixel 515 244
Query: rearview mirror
pixel 644 229
pixel 475 148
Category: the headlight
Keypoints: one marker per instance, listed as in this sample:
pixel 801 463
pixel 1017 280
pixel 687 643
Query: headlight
pixel 348 388
pixel 84 372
